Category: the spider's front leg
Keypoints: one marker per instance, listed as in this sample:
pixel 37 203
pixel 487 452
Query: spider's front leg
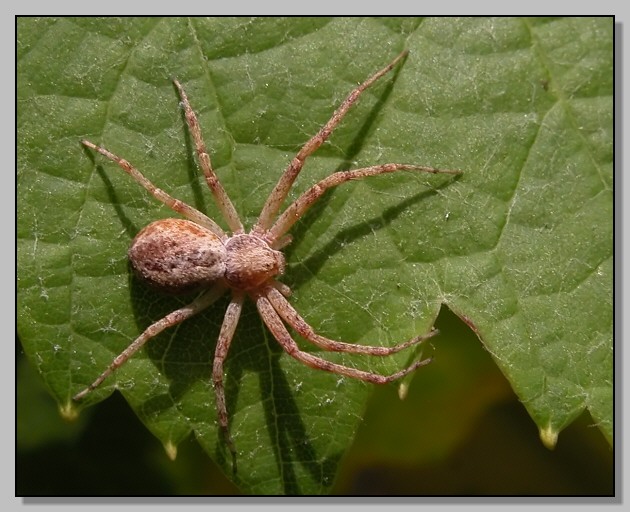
pixel 280 332
pixel 296 210
pixel 292 318
pixel 280 191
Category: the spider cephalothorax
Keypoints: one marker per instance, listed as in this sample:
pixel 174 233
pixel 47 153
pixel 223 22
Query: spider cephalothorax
pixel 182 255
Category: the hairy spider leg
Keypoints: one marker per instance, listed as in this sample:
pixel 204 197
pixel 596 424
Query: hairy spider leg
pixel 174 204
pixel 174 318
pixel 291 317
pixel 228 327
pixel 293 212
pixel 220 195
pixel 280 191
pixel 279 331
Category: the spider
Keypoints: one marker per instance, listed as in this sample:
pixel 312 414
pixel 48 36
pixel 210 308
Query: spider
pixel 179 256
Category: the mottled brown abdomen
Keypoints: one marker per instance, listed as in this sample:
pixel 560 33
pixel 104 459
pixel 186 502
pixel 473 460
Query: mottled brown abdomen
pixel 177 256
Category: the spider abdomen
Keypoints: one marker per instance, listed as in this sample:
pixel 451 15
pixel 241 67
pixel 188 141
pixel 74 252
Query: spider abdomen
pixel 251 262
pixel 177 256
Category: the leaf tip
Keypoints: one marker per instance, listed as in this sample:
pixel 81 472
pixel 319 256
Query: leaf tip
pixel 403 390
pixel 68 411
pixel 549 437
pixel 171 450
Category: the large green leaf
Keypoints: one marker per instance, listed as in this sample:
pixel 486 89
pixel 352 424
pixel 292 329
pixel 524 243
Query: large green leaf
pixel 520 247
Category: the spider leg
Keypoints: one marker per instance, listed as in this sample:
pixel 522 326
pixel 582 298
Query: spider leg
pixel 279 331
pixel 174 318
pixel 288 313
pixel 294 211
pixel 279 193
pixel 281 287
pixel 174 204
pixel 220 195
pixel 228 327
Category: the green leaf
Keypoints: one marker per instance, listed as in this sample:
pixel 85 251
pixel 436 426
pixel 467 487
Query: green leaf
pixel 520 246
